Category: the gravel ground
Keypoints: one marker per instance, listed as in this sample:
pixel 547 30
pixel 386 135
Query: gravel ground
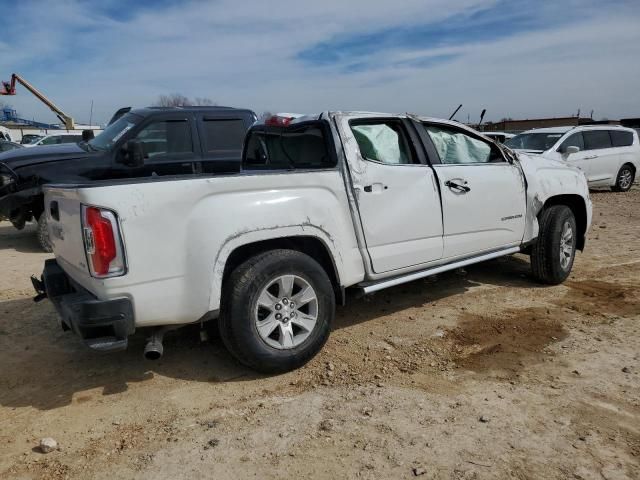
pixel 477 374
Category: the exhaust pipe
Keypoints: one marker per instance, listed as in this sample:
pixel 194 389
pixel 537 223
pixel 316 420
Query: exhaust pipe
pixel 154 349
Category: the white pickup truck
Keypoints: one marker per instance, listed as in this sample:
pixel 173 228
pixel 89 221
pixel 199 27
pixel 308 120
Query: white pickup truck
pixel 323 203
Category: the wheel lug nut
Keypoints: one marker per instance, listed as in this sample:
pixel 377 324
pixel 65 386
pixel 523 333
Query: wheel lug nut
pixel 278 316
pixel 285 301
pixel 285 319
pixel 278 306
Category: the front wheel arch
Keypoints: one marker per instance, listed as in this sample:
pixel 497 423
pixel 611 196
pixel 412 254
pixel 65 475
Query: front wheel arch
pixel 579 209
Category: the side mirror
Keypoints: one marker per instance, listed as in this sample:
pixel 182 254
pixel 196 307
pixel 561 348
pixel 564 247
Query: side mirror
pixel 571 149
pixel 133 153
pixel 87 135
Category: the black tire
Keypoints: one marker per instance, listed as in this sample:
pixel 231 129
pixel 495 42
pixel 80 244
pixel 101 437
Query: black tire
pixel 546 264
pixel 43 234
pixel 237 323
pixel 624 180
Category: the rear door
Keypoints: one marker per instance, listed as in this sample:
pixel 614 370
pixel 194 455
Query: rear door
pixel 483 195
pixel 601 156
pixel 396 193
pixel 222 138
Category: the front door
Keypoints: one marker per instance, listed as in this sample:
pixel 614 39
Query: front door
pixel 483 195
pixel 579 159
pixel 170 146
pixel 396 193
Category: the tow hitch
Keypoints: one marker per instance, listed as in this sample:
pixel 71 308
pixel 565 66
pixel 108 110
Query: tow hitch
pixel 38 286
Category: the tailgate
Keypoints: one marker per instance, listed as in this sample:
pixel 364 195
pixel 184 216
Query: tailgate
pixel 63 210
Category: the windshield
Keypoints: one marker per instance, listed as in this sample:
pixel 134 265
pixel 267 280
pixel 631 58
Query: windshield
pixel 114 132
pixel 534 141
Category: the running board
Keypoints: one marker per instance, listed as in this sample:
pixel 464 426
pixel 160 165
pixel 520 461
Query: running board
pixel 392 282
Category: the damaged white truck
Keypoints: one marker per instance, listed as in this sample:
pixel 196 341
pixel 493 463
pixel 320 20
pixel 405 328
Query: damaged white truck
pixel 322 204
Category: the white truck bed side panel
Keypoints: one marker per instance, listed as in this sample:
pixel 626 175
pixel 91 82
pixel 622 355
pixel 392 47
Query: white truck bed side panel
pixel 178 234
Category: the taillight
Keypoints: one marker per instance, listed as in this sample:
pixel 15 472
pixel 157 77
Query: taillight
pixel 102 242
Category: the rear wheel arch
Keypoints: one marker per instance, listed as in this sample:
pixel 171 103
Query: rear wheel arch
pixel 619 186
pixel 312 246
pixel 579 208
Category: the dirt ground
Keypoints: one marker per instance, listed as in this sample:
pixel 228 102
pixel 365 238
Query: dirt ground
pixel 476 374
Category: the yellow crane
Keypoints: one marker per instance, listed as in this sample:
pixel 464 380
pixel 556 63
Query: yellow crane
pixel 9 88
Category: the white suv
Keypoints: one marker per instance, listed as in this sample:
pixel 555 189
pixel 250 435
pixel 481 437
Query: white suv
pixel 608 155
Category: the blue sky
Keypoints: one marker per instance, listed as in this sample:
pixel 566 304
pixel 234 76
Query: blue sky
pixel 517 58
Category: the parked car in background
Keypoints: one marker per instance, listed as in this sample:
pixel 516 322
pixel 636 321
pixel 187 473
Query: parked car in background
pixel 608 155
pixel 5 146
pixel 28 138
pixel 5 134
pixel 55 139
pixel 142 143
pixel 322 203
pixel 499 136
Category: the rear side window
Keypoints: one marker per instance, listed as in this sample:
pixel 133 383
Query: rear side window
pixel 596 139
pixel 223 136
pixel 301 146
pixel 383 142
pixel 621 138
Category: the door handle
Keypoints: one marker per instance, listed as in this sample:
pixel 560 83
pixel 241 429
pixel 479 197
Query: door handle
pixel 54 210
pixel 457 186
pixel 375 188
pixel 591 157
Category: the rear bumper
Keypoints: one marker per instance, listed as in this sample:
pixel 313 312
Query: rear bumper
pixel 103 325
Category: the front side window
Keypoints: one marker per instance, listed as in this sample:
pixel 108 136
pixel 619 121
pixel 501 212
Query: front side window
pixel 597 139
pixel 575 140
pixel 53 140
pixel 166 137
pixel 383 142
pixel 302 146
pixel 456 147
pixel 534 141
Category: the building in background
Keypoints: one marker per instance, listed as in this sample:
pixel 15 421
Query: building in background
pixel 517 126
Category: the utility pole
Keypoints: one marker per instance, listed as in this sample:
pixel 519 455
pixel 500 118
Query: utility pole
pixel 91 114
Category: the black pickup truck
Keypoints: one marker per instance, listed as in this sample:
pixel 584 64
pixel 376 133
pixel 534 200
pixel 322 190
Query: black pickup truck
pixel 142 142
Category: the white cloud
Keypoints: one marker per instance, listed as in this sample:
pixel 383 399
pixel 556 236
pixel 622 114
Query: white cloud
pixel 243 54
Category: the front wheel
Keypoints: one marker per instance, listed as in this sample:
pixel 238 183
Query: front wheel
pixel 553 254
pixel 277 310
pixel 625 179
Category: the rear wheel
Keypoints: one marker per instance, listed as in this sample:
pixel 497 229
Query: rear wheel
pixel 43 234
pixel 625 179
pixel 553 254
pixel 277 310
